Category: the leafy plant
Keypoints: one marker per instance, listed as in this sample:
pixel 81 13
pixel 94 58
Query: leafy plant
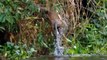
pixel 12 11
pixel 16 52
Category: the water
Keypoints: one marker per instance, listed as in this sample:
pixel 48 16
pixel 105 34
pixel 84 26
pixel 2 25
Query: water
pixel 72 57
pixel 59 49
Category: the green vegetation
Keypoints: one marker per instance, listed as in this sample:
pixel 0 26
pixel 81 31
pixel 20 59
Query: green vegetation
pixel 87 31
pixel 91 36
pixel 16 52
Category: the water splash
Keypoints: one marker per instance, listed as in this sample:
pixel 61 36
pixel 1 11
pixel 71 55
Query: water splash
pixel 59 49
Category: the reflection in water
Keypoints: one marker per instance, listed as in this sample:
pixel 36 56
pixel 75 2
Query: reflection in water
pixel 75 57
pixel 61 58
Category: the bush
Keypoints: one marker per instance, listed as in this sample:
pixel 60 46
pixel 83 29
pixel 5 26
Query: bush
pixel 16 52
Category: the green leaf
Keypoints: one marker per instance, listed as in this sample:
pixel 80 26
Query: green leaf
pixel 10 19
pixel 2 19
pixel 2 28
pixel 45 44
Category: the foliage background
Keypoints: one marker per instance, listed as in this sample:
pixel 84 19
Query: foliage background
pixel 87 33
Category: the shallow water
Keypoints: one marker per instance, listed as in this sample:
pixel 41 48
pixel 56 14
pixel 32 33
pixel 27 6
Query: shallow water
pixel 71 57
